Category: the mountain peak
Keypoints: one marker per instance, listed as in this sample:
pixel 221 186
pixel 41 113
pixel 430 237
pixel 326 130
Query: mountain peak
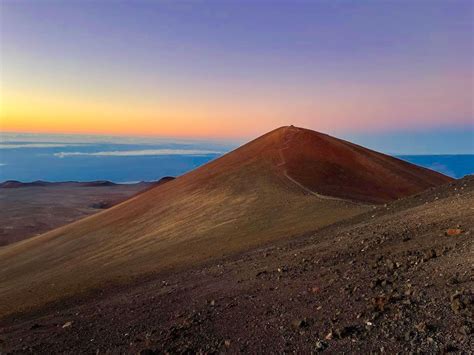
pixel 331 167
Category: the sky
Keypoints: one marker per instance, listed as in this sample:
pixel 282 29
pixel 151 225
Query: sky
pixel 372 70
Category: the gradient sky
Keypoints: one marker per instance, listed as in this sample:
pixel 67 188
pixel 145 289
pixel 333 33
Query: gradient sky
pixel 236 69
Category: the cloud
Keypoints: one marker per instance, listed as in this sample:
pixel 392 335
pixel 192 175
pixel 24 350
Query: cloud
pixel 2 164
pixel 35 145
pixel 144 152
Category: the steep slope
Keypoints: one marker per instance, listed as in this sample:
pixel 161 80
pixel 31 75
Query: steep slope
pixel 282 184
pixel 334 167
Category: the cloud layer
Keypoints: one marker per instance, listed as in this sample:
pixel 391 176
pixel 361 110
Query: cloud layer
pixel 143 152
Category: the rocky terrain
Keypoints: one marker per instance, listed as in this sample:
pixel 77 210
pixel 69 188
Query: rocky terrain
pixel 396 279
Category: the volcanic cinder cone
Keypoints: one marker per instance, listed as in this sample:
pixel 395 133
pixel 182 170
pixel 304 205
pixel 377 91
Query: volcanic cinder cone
pixel 287 182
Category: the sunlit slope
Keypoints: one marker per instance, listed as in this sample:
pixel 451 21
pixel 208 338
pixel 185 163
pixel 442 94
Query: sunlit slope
pixel 253 195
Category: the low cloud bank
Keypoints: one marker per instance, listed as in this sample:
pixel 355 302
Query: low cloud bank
pixel 144 152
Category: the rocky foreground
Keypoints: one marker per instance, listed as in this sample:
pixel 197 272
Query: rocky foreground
pixel 397 279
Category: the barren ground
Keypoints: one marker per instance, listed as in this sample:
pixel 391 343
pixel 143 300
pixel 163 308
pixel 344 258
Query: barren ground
pixel 398 278
pixel 33 210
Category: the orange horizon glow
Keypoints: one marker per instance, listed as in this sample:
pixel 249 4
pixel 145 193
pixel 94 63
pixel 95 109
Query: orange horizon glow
pixel 412 105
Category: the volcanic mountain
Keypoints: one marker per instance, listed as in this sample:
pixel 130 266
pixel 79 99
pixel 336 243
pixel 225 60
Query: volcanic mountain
pixel 286 183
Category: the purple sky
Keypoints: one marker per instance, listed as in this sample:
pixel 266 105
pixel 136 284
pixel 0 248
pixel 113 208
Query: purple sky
pixel 237 68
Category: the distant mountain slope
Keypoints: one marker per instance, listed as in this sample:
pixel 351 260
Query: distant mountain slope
pixel 14 184
pixel 287 182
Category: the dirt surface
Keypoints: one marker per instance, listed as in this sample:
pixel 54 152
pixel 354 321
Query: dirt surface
pixel 398 278
pixel 29 209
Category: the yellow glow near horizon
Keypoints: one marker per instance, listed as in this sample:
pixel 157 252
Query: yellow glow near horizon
pixel 224 115
pixel 30 112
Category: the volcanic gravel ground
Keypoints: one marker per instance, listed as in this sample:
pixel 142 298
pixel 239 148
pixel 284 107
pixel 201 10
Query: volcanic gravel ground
pixel 396 279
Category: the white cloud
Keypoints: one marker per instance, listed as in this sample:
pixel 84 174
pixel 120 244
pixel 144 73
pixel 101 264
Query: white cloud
pixel 2 164
pixel 144 152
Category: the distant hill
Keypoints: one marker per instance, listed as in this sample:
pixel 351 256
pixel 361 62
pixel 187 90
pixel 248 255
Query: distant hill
pixel 13 184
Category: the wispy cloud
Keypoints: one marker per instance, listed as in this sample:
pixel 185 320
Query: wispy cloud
pixel 36 145
pixel 2 164
pixel 144 152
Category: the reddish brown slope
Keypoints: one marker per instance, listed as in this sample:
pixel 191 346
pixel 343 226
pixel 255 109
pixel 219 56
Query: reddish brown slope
pixel 259 193
pixel 334 167
pixel 327 166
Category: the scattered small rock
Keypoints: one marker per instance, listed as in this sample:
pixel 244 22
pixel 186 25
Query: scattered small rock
pixel 321 345
pixel 300 323
pixel 454 231
pixel 67 324
pixel 390 264
pixel 379 303
pixel 421 327
pixel 428 255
